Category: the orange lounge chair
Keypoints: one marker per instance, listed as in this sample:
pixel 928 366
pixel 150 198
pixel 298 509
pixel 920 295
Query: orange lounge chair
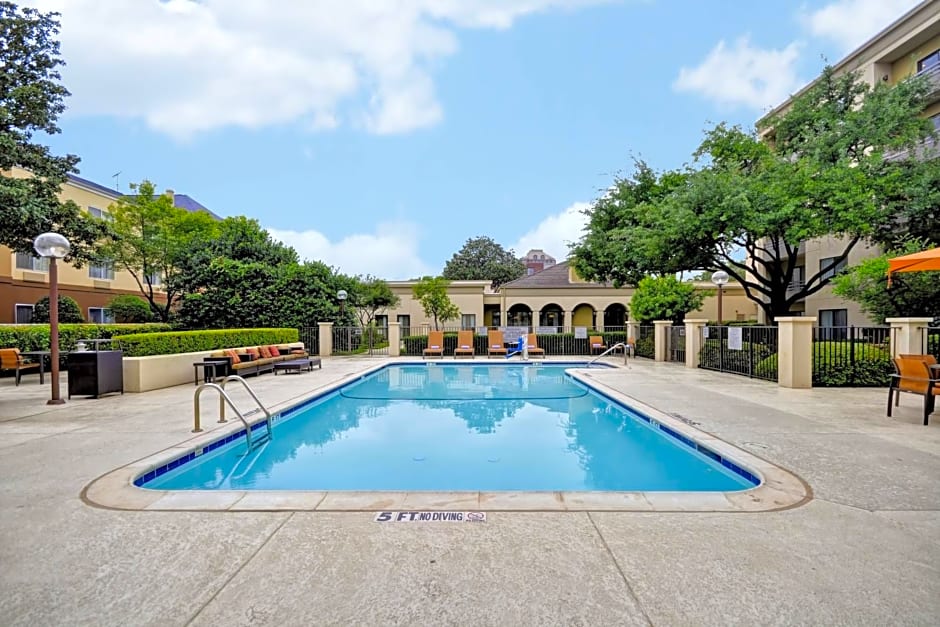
pixel 464 344
pixel 435 345
pixel 494 343
pixel 10 359
pixel 533 345
pixel 914 376
pixel 597 344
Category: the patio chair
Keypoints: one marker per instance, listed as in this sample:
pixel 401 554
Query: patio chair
pixel 597 344
pixel 630 347
pixel 464 344
pixel 435 345
pixel 10 359
pixel 930 359
pixel 913 376
pixel 494 343
pixel 532 345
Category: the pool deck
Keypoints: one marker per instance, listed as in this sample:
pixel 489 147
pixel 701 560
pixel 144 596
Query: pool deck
pixel 864 550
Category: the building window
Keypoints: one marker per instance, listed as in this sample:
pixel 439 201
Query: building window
pixel 25 261
pixel 381 321
pixel 529 271
pixel 833 318
pixel 103 271
pixel 404 322
pixel 825 262
pixel 932 60
pixel 155 279
pixel 468 321
pixel 496 318
pixel 23 314
pixel 99 315
pixel 935 120
pixel 101 214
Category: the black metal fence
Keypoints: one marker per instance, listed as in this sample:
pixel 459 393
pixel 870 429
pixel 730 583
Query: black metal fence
pixel 557 341
pixel 372 340
pixel 933 341
pixel 646 341
pixel 310 336
pixel 677 344
pixel 852 356
pixel 746 350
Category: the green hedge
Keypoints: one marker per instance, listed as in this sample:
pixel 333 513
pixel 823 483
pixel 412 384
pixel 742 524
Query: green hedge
pixel 35 337
pixel 551 343
pixel 646 347
pixel 175 342
pixel 751 359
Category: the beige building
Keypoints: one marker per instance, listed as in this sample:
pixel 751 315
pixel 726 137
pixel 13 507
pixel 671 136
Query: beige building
pixel 550 300
pixel 910 45
pixel 24 278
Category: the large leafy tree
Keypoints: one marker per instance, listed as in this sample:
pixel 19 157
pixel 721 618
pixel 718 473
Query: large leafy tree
pixel 31 100
pixel 371 296
pixel 909 293
pixel 431 292
pixel 151 238
pixel 483 259
pixel 750 204
pixel 664 298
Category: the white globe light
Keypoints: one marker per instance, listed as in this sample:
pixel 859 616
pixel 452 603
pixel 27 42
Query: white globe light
pixel 720 277
pixel 52 245
pixel 341 294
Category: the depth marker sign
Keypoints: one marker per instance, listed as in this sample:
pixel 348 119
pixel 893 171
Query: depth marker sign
pixel 446 516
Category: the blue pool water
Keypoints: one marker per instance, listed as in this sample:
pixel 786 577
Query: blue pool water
pixel 461 427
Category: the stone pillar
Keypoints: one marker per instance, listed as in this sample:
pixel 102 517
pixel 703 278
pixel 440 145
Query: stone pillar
pixel 394 339
pixel 633 329
pixel 795 351
pixel 326 338
pixel 908 336
pixel 693 340
pixel 661 338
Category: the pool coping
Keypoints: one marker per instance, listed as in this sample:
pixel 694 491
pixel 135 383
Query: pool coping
pixel 779 489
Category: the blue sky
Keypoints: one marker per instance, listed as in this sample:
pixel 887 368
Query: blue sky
pixel 379 136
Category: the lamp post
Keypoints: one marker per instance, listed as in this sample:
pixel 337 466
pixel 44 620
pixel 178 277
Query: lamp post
pixel 53 247
pixel 720 278
pixel 341 296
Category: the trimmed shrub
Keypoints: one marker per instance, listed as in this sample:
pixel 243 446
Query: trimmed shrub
pixel 175 342
pixel 751 359
pixel 129 308
pixel 35 337
pixel 69 311
pixel 646 347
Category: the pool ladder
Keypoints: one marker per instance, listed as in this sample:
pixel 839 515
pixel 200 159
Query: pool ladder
pixel 225 398
pixel 622 345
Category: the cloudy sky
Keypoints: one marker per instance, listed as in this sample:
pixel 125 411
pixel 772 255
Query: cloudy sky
pixel 379 136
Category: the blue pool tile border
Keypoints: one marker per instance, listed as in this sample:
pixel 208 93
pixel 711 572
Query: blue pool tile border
pixel 291 411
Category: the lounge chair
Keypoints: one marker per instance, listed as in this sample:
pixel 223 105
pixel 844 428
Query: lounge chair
pixel 533 345
pixel 464 344
pixel 930 359
pixel 630 347
pixel 494 343
pixel 10 359
pixel 435 345
pixel 597 344
pixel 914 376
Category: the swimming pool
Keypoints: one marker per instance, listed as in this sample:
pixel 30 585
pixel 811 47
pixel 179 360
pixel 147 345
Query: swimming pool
pixel 434 427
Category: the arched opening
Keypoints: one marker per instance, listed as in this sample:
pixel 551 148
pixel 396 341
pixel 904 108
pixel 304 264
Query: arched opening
pixel 552 315
pixel 615 316
pixel 584 315
pixel 519 315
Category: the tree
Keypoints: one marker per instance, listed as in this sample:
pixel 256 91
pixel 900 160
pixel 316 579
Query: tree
pixel 370 297
pixel 31 100
pixel 150 238
pixel 431 292
pixel 910 293
pixel 69 311
pixel 664 298
pixel 752 203
pixel 130 308
pixel 481 259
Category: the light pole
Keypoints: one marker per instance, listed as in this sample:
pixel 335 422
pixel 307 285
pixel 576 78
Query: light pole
pixel 341 296
pixel 720 278
pixel 53 247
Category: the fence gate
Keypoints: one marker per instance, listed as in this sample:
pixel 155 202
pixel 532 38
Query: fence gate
pixel 310 336
pixel 372 340
pixel 746 350
pixel 677 343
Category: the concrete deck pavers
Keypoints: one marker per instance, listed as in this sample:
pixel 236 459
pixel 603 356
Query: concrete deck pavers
pixel 863 551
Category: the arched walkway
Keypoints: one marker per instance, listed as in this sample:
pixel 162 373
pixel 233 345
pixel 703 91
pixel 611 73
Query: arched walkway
pixel 552 315
pixel 584 315
pixel 615 316
pixel 519 315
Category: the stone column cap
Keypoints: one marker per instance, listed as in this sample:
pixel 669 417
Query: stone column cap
pixel 909 320
pixel 793 319
pixel 325 324
pixel 695 320
pixel 662 322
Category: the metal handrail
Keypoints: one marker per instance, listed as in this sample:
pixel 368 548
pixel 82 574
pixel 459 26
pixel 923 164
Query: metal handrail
pixel 622 345
pixel 223 399
pixel 235 377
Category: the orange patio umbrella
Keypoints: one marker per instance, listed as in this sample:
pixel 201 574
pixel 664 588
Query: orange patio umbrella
pixel 915 262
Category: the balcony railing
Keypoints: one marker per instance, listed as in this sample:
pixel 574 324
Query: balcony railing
pixel 933 76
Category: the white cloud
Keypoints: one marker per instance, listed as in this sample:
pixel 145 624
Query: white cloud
pixel 389 253
pixel 188 66
pixel 554 233
pixel 852 22
pixel 743 75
